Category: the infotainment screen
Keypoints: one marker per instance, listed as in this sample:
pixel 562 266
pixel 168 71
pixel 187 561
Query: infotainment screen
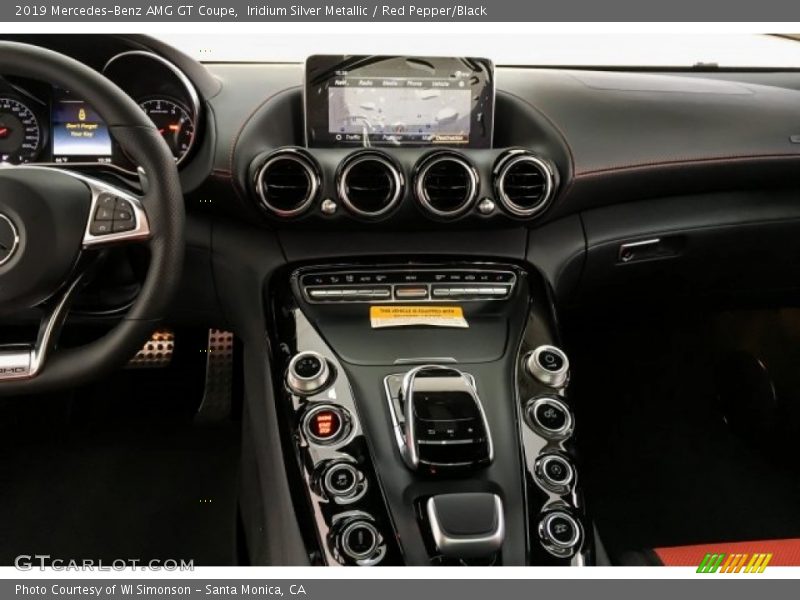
pixel 399 101
pixel 79 134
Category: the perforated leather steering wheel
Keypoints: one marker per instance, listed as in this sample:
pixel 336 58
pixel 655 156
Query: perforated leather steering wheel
pixel 49 224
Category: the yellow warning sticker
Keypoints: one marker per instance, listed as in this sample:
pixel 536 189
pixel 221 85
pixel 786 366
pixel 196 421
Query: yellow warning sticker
pixel 406 316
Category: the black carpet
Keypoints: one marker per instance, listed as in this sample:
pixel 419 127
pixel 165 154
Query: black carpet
pixel 660 466
pixel 117 471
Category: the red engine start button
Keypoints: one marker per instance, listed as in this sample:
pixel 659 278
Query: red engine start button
pixel 325 424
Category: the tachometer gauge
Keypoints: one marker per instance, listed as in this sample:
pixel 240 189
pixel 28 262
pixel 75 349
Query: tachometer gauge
pixel 20 135
pixel 174 123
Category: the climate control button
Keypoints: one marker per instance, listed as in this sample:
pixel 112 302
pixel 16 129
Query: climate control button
pixel 549 365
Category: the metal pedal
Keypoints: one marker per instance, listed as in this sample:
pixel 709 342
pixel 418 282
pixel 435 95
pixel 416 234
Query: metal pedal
pixel 156 352
pixel 216 403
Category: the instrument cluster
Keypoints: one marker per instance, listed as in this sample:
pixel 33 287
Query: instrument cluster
pixel 42 123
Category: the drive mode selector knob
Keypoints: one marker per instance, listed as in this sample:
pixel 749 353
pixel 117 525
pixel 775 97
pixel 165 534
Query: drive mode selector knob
pixel 560 533
pixel 549 416
pixel 308 373
pixel 549 365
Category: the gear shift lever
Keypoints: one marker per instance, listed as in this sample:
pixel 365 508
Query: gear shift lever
pixel 466 525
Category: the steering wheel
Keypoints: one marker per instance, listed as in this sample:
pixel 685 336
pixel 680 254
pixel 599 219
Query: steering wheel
pixel 52 220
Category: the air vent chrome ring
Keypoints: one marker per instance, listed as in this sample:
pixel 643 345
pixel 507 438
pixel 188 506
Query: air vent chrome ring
pixel 292 158
pixel 505 170
pixel 358 165
pixel 427 169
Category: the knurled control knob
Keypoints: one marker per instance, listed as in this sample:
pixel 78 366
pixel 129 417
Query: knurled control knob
pixel 341 479
pixel 560 533
pixel 359 540
pixel 308 373
pixel 549 416
pixel 554 472
pixel 548 365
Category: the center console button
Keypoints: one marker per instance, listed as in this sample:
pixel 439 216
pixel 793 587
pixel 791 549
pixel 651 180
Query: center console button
pixel 359 540
pixel 308 373
pixel 410 292
pixel 550 416
pixel 549 365
pixel 554 472
pixel 326 424
pixel 560 533
pixel 340 479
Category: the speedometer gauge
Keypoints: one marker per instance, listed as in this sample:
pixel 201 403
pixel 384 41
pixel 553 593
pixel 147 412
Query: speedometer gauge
pixel 174 123
pixel 20 135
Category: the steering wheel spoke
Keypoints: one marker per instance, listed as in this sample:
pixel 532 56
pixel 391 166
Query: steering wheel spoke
pixel 25 361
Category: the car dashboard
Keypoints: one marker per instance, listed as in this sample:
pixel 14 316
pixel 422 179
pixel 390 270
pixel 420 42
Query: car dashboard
pixel 393 239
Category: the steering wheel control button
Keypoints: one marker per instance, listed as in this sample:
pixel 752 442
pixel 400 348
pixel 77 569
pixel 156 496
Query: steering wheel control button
pixel 550 417
pixel 112 215
pixel 549 365
pixel 554 473
pixel 326 424
pixel 123 216
pixel 341 479
pixel 360 540
pixel 560 533
pixel 308 373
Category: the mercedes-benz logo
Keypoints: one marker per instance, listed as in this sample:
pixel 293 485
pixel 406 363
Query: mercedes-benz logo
pixel 9 239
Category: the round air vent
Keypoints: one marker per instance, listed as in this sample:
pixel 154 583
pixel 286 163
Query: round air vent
pixel 446 184
pixel 523 183
pixel 369 184
pixel 287 182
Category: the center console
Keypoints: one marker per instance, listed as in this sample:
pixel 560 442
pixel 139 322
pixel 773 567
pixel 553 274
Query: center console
pixel 426 408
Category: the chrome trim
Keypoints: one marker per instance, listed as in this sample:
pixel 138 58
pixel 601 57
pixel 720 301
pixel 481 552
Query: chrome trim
pixel 20 361
pixel 550 378
pixel 501 170
pixel 194 97
pixel 314 181
pixel 15 245
pixel 361 156
pixel 486 206
pixel 306 386
pixel 423 360
pixel 530 413
pixel 621 257
pixel 467 546
pixel 422 194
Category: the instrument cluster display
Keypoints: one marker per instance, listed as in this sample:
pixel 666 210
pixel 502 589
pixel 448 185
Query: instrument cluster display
pixel 41 123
